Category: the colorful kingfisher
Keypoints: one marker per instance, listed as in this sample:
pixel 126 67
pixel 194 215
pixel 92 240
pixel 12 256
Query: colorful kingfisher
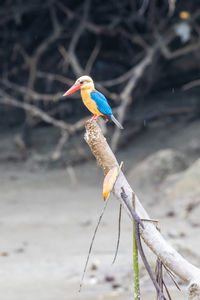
pixel 93 100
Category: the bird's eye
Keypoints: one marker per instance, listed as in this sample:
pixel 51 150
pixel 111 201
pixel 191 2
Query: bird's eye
pixel 81 82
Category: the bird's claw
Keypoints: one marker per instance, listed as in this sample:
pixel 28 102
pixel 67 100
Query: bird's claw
pixel 95 117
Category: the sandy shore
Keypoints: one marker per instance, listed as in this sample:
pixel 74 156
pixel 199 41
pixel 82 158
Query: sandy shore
pixel 46 227
pixel 47 219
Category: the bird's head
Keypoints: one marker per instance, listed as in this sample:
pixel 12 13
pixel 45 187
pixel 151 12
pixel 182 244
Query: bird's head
pixel 83 82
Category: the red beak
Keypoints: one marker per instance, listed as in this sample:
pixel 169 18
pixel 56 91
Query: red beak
pixel 73 89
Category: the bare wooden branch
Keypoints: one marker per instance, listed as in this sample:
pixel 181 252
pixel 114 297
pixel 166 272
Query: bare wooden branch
pixel 133 76
pixel 151 236
pixel 36 112
pixel 33 95
pixel 59 147
pixel 54 77
pixel 34 59
pixel 78 70
pixel 92 58
pixel 191 84
pixel 180 52
pixel 125 95
pixel 72 15
pixel 67 26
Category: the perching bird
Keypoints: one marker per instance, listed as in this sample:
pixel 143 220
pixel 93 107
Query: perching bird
pixel 93 100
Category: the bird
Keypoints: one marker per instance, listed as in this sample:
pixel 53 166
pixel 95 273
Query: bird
pixel 95 101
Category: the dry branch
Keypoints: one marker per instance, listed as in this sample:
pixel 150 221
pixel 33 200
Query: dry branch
pixel 74 41
pixel 37 112
pixel 31 94
pixel 136 30
pixel 191 84
pixel 135 74
pixel 154 240
pixel 180 52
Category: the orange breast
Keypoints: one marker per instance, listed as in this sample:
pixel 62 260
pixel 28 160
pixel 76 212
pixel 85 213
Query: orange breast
pixel 89 103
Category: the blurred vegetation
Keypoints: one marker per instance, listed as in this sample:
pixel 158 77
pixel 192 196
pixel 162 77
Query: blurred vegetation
pixel 131 48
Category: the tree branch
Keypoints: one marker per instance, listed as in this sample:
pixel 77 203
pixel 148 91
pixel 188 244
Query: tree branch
pixel 154 240
pixel 37 112
pixel 136 73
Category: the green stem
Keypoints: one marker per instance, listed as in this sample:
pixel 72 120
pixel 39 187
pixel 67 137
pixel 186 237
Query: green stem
pixel 135 264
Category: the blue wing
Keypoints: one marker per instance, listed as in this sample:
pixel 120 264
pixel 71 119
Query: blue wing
pixel 101 102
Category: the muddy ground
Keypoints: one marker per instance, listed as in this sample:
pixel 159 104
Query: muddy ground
pixel 47 218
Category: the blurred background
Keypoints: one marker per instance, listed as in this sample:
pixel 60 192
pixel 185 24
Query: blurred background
pixel 144 56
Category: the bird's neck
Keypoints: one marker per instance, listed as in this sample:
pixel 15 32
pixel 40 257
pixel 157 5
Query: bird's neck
pixel 85 91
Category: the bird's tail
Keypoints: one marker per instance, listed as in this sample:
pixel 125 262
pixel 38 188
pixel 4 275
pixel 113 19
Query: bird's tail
pixel 116 122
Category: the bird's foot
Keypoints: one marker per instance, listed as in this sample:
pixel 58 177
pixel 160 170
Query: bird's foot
pixel 95 117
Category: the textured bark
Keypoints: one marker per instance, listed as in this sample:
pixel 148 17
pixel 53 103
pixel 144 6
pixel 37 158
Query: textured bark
pixel 154 240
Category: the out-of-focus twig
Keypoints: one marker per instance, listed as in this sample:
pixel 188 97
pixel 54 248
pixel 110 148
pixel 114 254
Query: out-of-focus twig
pixel 191 84
pixel 36 112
